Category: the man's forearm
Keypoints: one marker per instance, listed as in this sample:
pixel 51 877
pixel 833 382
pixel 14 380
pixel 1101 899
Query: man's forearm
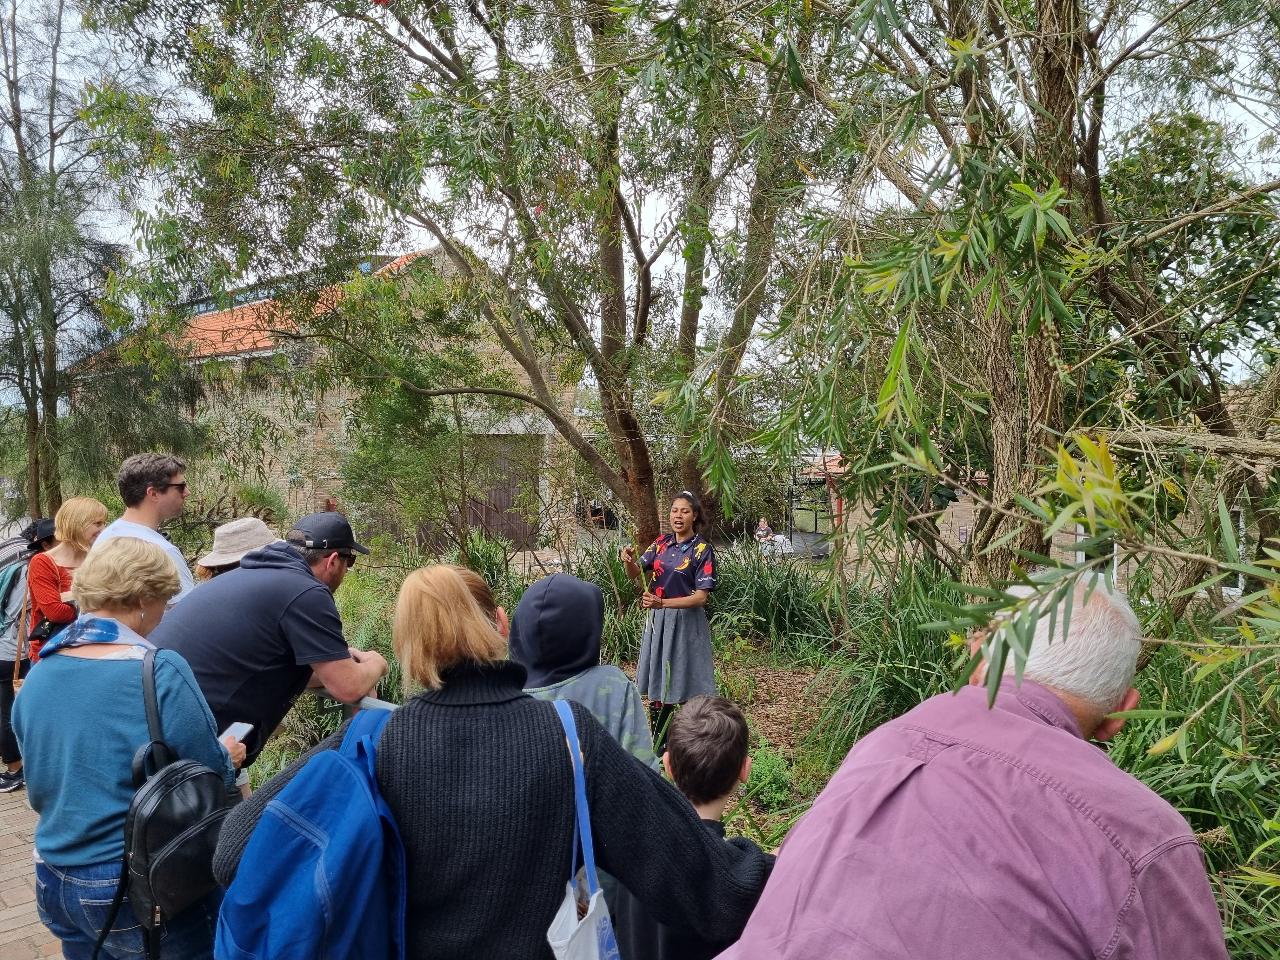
pixel 372 671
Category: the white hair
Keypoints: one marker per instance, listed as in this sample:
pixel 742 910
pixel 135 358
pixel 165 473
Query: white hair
pixel 1097 656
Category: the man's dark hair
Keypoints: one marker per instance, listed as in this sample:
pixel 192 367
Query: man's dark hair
pixel 144 470
pixel 708 745
pixel 313 558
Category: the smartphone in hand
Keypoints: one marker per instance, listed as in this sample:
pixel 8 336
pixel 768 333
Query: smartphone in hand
pixel 237 731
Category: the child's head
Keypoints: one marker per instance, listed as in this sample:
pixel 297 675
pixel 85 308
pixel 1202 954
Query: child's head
pixel 556 628
pixel 707 749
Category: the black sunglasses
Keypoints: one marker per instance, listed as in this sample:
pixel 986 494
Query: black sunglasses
pixel 349 557
pixel 161 487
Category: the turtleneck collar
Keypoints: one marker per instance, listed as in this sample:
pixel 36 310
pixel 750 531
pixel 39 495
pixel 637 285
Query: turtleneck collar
pixel 469 683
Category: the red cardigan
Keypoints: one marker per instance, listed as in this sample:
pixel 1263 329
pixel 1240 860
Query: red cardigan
pixel 47 581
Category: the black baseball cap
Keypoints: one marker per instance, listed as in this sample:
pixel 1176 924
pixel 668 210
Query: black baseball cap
pixel 326 531
pixel 37 530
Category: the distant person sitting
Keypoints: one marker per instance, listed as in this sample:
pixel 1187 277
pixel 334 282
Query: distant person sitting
pixel 965 831
pixel 555 636
pixel 258 636
pixel 764 533
pixel 153 487
pixel 231 541
pixel 707 758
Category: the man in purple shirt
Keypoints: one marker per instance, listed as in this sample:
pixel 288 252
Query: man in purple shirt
pixel 958 832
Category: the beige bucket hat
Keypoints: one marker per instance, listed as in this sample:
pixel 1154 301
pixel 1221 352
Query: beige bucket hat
pixel 233 539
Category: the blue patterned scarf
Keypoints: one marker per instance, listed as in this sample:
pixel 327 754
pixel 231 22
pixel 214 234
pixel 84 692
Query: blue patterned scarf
pixel 87 629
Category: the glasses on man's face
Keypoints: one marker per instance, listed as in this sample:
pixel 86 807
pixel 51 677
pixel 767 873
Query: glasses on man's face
pixel 181 487
pixel 349 557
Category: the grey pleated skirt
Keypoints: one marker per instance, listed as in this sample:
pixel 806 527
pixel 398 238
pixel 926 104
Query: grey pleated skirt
pixel 675 656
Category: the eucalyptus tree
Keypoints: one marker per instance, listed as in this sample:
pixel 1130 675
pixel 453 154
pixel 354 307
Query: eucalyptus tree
pixel 56 257
pixel 608 200
pixel 1042 232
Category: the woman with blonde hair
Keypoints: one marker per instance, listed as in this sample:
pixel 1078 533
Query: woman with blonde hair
pixel 76 526
pixel 480 782
pixel 79 720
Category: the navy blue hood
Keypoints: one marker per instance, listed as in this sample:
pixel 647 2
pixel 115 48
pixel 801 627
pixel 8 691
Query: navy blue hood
pixel 555 632
pixel 275 556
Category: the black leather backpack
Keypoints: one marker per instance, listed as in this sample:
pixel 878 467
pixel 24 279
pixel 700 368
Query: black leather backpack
pixel 170 832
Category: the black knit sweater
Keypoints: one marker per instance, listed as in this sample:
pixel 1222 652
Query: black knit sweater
pixel 479 779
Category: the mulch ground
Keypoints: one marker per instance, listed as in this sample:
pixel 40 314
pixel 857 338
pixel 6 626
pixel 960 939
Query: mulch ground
pixel 782 704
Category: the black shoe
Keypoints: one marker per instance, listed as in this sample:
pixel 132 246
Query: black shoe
pixel 10 782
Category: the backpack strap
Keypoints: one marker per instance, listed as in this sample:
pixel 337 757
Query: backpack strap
pixel 154 730
pixel 155 753
pixel 360 743
pixel 583 832
pixel 114 910
pixel 22 638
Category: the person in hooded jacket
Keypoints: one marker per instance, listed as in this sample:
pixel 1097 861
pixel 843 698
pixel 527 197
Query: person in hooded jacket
pixel 256 637
pixel 555 636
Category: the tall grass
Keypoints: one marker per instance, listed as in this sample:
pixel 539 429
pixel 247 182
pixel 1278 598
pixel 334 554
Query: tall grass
pixel 885 663
pixel 787 603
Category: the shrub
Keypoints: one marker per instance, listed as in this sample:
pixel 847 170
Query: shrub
pixel 886 664
pixel 787 602
pixel 770 781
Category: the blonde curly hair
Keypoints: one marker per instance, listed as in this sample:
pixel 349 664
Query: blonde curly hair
pixel 124 572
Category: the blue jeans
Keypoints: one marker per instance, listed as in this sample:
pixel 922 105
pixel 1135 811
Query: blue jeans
pixel 73 903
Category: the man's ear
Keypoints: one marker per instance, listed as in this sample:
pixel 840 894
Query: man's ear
pixel 1110 726
pixel 666 765
pixel 974 645
pixel 745 773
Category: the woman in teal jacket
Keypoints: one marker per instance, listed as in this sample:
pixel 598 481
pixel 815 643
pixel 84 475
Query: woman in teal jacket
pixel 79 719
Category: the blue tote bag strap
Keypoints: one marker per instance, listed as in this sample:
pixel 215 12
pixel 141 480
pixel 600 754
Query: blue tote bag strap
pixel 583 833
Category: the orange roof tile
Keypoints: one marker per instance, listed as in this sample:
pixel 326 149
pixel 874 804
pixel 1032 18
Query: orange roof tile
pixel 256 327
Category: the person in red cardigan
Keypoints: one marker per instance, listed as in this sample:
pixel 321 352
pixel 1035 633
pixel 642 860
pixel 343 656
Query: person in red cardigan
pixel 76 525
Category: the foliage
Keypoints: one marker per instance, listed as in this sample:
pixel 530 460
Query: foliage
pixel 787 603
pixel 770 782
pixel 890 664
pixel 81 392
pixel 530 144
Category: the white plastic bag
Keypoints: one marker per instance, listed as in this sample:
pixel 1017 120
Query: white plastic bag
pixel 582 937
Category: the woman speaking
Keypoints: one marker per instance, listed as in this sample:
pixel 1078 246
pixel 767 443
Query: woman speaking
pixel 675 655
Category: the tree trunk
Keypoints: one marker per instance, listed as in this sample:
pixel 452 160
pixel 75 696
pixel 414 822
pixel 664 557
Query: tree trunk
pixel 697 224
pixel 1057 60
pixel 50 470
pixel 32 431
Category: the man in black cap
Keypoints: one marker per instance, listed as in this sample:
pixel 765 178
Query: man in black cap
pixel 256 637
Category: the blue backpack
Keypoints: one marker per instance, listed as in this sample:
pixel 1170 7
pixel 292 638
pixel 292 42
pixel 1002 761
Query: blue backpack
pixel 323 875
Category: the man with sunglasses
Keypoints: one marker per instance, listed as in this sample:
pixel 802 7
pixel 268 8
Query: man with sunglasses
pixel 257 636
pixel 153 487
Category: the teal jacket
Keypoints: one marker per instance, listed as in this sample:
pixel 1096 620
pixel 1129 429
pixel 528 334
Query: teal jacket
pixel 79 723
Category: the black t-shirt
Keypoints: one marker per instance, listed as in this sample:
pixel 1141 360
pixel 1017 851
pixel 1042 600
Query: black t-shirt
pixel 251 636
pixel 641 937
